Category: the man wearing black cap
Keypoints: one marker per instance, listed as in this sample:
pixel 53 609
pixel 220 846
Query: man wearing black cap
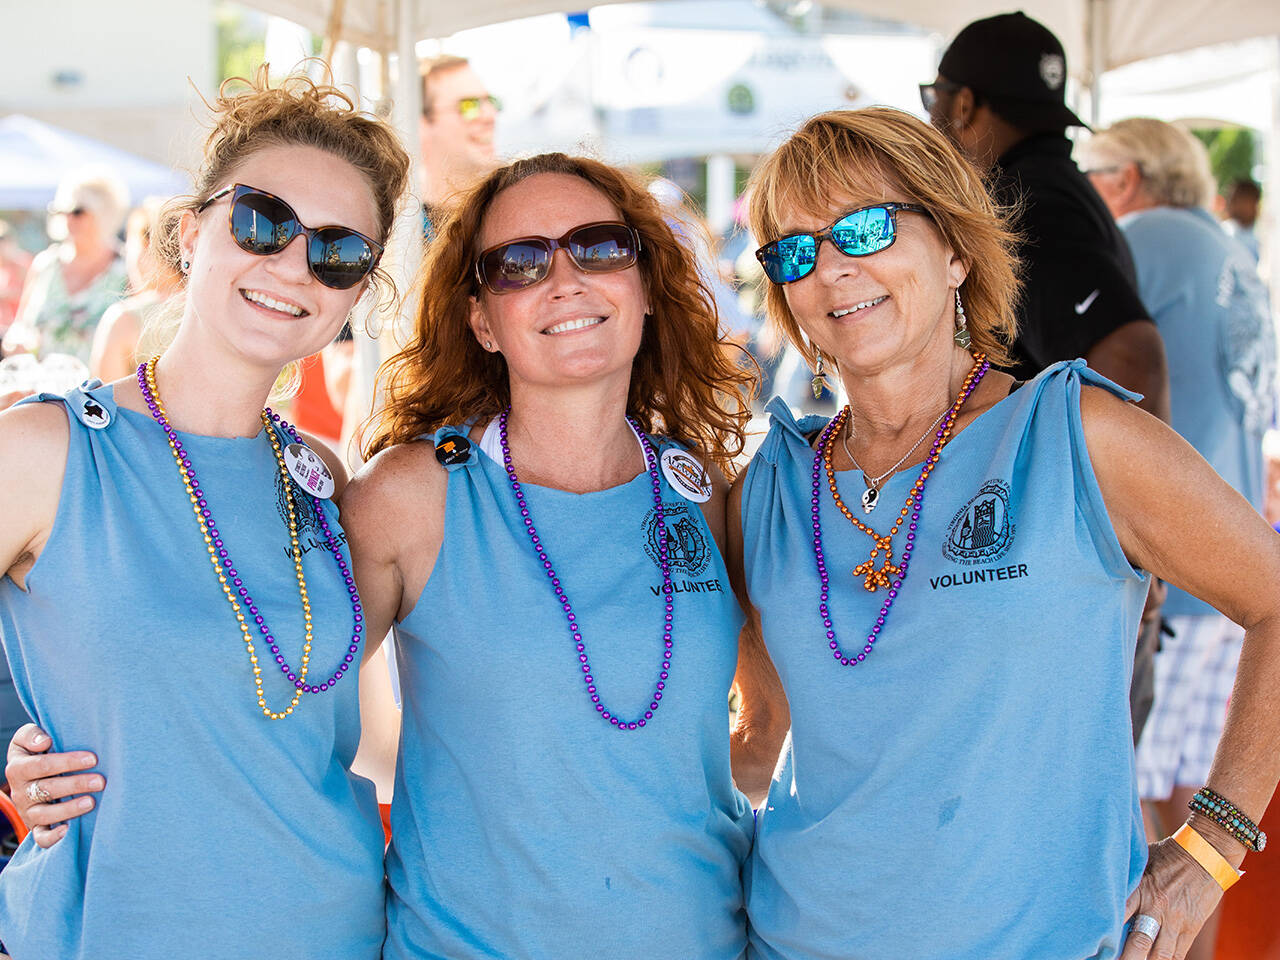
pixel 999 98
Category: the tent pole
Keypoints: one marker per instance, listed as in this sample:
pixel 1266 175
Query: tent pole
pixel 1096 36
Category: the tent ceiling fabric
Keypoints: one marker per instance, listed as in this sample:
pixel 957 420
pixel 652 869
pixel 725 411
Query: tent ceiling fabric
pixel 1134 29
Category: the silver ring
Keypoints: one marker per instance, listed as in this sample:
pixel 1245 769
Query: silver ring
pixel 36 793
pixel 1147 925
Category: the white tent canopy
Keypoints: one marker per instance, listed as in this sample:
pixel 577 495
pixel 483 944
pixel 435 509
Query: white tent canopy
pixel 34 157
pixel 1108 32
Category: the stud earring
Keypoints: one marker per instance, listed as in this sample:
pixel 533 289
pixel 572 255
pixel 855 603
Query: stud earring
pixel 962 337
pixel 186 266
pixel 819 381
pixel 488 345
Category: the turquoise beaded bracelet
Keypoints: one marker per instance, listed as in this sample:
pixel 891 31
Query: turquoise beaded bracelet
pixel 1209 803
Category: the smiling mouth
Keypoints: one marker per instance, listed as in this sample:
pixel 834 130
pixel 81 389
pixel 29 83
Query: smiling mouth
pixel 571 325
pixel 271 303
pixel 837 314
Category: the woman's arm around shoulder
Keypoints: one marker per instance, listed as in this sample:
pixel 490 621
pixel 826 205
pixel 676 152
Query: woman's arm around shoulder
pixel 393 514
pixel 763 714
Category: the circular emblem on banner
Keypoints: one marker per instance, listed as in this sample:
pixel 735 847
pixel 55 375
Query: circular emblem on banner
pixel 686 475
pixel 687 547
pixel 981 530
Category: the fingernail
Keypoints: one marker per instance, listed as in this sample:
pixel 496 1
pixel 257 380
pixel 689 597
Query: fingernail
pixel 87 759
pixel 84 803
pixel 96 783
pixel 38 740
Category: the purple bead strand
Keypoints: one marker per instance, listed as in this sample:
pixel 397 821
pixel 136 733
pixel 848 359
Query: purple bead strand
pixel 916 501
pixel 584 662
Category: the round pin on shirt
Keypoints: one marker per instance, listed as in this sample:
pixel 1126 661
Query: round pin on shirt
pixel 686 475
pixel 309 470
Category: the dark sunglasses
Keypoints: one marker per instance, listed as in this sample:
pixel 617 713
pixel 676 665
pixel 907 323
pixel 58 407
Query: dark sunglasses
pixel 593 248
pixel 261 223
pixel 73 212
pixel 929 92
pixel 858 234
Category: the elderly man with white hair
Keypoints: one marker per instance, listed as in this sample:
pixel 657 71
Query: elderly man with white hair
pixel 72 282
pixel 1205 296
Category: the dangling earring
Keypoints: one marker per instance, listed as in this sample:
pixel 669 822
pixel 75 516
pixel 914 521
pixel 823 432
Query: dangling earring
pixel 962 337
pixel 819 381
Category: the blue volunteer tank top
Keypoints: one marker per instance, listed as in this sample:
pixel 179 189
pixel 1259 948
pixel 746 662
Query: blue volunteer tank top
pixel 523 824
pixel 968 790
pixel 220 833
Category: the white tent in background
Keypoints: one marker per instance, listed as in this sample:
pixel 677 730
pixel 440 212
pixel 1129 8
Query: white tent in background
pixel 35 156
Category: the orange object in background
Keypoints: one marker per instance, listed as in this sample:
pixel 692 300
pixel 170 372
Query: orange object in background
pixel 385 810
pixel 10 813
pixel 313 412
pixel 1250 927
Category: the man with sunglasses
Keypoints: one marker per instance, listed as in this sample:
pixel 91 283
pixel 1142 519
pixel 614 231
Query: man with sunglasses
pixel 456 131
pixel 999 97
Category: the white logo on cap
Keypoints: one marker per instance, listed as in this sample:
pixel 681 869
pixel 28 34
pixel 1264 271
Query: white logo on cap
pixel 1053 70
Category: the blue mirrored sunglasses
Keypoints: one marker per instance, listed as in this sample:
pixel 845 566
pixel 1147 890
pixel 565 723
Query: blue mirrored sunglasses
pixel 858 234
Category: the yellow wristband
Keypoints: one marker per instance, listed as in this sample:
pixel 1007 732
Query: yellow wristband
pixel 1214 863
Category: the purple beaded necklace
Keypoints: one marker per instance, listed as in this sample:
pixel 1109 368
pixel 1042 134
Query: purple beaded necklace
pixel 915 501
pixel 651 460
pixel 225 567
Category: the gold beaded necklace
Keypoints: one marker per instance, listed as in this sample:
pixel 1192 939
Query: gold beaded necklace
pixel 217 563
pixel 876 577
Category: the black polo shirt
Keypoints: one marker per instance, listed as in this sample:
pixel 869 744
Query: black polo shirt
pixel 1078 275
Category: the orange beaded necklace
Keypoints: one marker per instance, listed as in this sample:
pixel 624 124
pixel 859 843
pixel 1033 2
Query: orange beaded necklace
pixel 882 576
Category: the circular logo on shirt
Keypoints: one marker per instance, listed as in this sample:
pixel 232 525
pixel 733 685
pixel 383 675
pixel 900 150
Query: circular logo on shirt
pixel 981 530
pixel 687 547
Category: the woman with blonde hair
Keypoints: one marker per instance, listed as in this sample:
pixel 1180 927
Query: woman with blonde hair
pixel 948 576
pixel 178 596
pixel 73 281
pixel 542 520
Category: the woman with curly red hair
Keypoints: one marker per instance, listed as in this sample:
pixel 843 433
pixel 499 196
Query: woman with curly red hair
pixel 158 606
pixel 543 520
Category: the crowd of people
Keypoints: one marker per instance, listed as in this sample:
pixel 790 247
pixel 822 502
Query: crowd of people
pixel 1028 715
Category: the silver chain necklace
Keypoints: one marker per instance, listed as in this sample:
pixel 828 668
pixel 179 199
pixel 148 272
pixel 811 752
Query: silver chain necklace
pixel 871 496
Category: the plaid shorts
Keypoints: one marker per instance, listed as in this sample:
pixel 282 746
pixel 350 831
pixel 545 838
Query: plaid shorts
pixel 1195 670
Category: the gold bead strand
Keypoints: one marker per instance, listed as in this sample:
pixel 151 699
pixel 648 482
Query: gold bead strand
pixel 217 565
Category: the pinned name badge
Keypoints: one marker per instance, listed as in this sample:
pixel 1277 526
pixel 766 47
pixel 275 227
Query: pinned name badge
pixel 309 470
pixel 453 450
pixel 93 414
pixel 686 475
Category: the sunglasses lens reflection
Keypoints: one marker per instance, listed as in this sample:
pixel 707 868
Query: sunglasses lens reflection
pixel 790 258
pixel 602 248
pixel 866 231
pixel 339 258
pixel 515 266
pixel 262 224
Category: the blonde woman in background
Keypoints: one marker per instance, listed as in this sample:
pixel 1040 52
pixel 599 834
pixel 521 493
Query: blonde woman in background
pixel 73 281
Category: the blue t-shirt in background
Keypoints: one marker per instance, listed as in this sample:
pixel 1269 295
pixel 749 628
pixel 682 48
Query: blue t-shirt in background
pixel 1215 319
